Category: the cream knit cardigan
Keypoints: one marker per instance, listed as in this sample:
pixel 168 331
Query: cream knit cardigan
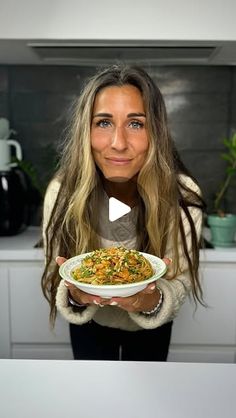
pixel 174 291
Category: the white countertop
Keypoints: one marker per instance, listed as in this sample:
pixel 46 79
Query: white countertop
pixel 99 389
pixel 21 247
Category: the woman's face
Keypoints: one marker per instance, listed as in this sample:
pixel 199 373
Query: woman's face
pixel 119 137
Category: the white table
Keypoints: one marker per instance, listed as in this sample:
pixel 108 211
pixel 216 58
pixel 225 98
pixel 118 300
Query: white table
pixel 96 389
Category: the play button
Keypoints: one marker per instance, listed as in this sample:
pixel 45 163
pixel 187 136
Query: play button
pixel 113 220
pixel 117 209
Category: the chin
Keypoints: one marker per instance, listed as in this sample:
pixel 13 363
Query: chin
pixel 118 179
pixel 119 176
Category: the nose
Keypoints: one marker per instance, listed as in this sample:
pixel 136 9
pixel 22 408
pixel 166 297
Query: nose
pixel 119 140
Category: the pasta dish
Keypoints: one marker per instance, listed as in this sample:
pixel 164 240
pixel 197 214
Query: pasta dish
pixel 113 266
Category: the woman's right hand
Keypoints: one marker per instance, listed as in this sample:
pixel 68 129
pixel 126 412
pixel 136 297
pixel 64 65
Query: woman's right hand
pixel 82 298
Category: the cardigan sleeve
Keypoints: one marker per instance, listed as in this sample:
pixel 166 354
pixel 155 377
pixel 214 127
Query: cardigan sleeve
pixel 68 313
pixel 175 292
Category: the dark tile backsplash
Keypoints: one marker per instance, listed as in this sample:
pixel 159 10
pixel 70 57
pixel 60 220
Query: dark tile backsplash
pixel 201 104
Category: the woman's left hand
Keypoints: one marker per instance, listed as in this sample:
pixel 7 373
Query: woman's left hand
pixel 143 301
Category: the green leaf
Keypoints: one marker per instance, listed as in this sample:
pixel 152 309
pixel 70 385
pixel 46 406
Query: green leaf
pixel 227 142
pixel 227 157
pixel 231 171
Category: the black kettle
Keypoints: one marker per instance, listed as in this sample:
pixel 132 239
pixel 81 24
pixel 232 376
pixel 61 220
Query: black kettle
pixel 14 207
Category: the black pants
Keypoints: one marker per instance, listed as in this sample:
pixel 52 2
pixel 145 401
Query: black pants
pixel 94 342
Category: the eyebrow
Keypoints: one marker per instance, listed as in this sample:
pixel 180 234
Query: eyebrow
pixel 103 115
pixel 133 115
pixel 109 115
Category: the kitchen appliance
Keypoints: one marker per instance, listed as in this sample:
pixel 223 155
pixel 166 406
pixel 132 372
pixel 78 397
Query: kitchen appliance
pixel 14 211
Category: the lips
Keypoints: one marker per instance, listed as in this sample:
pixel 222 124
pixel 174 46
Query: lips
pixel 118 161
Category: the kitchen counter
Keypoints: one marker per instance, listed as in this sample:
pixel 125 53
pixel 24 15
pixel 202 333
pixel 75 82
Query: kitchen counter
pixel 92 389
pixel 21 247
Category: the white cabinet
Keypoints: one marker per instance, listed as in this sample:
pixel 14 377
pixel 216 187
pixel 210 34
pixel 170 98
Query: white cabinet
pixel 24 313
pixel 207 335
pixel 31 335
pixel 25 329
pixel 4 314
pixel 219 318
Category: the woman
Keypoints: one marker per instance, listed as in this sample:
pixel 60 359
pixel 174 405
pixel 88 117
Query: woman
pixel 120 146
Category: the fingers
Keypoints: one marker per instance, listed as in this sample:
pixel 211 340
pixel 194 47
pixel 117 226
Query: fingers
pixel 149 289
pixel 167 261
pixel 60 260
pixel 76 294
pixel 85 298
pixel 141 301
pixel 129 304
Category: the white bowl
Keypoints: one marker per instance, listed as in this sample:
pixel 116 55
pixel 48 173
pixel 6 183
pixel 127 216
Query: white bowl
pixel 109 291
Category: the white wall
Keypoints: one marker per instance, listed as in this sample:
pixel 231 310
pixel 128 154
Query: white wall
pixel 118 20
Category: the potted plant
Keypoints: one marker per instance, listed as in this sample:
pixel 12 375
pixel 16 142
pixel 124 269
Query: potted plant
pixel 221 223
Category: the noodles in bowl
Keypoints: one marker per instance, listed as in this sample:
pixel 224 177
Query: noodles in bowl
pixel 113 266
pixel 112 272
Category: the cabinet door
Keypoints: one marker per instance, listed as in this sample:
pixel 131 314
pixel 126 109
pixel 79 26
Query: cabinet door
pixel 215 324
pixel 30 310
pixel 4 314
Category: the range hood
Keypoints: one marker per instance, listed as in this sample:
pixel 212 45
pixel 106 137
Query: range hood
pixel 107 52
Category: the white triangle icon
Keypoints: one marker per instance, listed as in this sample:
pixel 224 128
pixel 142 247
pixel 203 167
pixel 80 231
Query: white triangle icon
pixel 117 209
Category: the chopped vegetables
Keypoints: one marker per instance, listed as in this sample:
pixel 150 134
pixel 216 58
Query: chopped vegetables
pixel 112 266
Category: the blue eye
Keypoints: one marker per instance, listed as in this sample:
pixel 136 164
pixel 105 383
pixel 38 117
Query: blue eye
pixel 136 124
pixel 103 123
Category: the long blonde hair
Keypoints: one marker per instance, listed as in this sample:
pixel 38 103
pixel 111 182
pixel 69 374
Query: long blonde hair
pixel 161 192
